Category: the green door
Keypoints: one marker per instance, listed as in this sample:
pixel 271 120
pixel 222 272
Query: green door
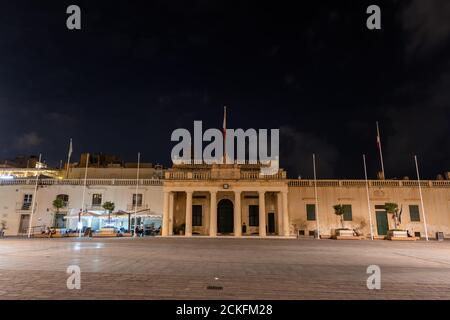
pixel 382 223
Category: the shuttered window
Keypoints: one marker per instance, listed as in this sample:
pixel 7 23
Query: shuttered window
pixel 347 212
pixel 414 213
pixel 310 212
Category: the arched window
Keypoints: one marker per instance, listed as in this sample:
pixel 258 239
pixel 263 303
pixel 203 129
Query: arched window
pixel 63 197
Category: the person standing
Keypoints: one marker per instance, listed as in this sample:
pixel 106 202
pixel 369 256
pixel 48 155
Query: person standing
pixel 244 228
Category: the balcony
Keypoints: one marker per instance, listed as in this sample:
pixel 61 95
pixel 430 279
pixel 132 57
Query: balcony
pixel 24 206
pixel 222 174
pixel 80 182
pixel 140 206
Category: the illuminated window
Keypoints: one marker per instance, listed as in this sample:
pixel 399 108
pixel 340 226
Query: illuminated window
pixel 64 198
pixel 27 200
pixel 138 198
pixel 96 199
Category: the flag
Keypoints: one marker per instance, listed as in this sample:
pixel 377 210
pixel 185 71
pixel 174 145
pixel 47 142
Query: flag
pixel 378 142
pixel 224 133
pixel 70 149
pixel 380 151
pixel 378 138
pixel 224 122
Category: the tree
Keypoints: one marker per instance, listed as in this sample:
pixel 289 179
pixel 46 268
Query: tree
pixel 109 206
pixel 339 211
pixel 392 208
pixel 58 203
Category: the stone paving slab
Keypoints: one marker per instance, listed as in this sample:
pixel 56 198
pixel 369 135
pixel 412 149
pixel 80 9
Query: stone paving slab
pixel 183 268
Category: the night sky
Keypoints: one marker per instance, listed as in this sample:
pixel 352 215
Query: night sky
pixel 137 70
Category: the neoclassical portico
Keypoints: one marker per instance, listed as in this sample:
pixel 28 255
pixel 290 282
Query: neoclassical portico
pixel 213 202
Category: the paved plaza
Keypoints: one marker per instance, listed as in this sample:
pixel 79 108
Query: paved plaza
pixel 184 268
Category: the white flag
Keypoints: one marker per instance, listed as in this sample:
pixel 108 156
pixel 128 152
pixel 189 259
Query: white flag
pixel 70 148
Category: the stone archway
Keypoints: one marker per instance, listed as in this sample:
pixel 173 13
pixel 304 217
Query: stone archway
pixel 225 216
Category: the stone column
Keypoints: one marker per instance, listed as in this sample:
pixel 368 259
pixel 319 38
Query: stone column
pixel 188 221
pixel 165 222
pixel 237 214
pixel 213 215
pixel 171 206
pixel 280 214
pixel 262 213
pixel 286 224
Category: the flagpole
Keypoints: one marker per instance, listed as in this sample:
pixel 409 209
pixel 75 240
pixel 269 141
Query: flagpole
pixel 69 154
pixel 224 134
pixel 315 195
pixel 84 192
pixel 34 199
pixel 381 152
pixel 136 194
pixel 421 199
pixel 368 197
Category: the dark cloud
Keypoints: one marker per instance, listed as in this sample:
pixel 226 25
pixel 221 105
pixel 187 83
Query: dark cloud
pixel 296 149
pixel 427 24
pixel 28 141
pixel 423 129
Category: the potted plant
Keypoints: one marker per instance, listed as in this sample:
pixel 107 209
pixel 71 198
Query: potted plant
pixel 179 229
pixel 58 203
pixel 2 228
pixel 109 206
pixel 342 232
pixel 182 229
pixel 392 208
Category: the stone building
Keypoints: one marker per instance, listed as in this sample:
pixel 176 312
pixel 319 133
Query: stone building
pixel 213 200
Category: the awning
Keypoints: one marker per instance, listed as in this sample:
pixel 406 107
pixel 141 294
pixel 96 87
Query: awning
pixel 144 213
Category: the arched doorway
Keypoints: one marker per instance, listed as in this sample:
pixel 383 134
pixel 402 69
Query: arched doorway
pixel 225 216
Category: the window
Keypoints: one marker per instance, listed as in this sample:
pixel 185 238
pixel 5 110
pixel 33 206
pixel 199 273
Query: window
pixel 27 200
pixel 196 215
pixel 347 212
pixel 96 199
pixel 253 216
pixel 414 213
pixel 417 234
pixel 137 200
pixel 64 198
pixel 310 212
